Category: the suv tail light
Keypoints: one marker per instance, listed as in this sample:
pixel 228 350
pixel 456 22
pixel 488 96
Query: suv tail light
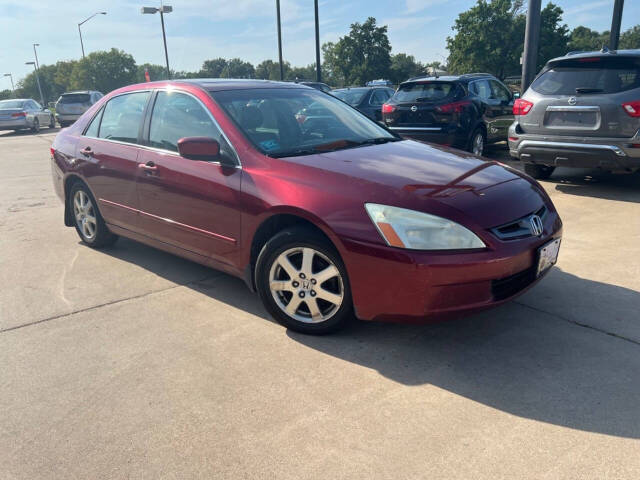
pixel 18 114
pixel 455 107
pixel 386 108
pixel 521 107
pixel 632 108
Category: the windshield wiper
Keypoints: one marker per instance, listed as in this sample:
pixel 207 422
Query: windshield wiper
pixel 588 90
pixel 378 140
pixel 332 147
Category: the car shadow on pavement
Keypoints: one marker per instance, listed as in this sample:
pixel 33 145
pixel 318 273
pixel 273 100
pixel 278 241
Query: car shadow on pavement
pixel 516 358
pixel 25 133
pixel 592 183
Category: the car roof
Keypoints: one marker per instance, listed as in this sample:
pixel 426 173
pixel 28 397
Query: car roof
pixel 217 84
pixel 370 87
pixel 17 99
pixel 599 53
pixel 467 77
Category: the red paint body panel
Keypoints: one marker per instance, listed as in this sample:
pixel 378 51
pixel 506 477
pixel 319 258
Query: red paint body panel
pixel 210 213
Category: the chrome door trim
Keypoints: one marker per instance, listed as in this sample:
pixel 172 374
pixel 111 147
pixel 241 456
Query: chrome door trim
pixel 572 108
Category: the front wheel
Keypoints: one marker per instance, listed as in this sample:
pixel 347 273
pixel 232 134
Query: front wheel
pixel 88 220
pixel 303 283
pixel 539 172
pixel 52 122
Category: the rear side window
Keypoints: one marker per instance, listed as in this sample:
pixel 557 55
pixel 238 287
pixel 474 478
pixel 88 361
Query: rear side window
pixel 177 115
pixel 75 98
pixel 379 96
pixel 481 88
pixel 589 75
pixel 122 117
pixel 425 92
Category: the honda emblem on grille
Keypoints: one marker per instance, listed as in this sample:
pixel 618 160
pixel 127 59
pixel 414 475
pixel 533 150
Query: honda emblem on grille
pixel 572 100
pixel 414 108
pixel 535 224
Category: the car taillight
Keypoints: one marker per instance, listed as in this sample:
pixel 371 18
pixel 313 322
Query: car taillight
pixel 632 108
pixel 521 107
pixel 386 108
pixel 19 114
pixel 53 151
pixel 455 107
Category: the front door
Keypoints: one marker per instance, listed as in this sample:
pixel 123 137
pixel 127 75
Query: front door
pixel 190 204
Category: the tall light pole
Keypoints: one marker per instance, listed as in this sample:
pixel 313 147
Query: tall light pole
pixel 13 90
pixel 162 10
pixel 80 31
pixel 37 80
pixel 318 71
pixel 614 36
pixel 531 44
pixel 279 41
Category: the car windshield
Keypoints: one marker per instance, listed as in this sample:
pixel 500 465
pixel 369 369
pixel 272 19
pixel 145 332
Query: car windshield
pixel 74 98
pixel 284 122
pixel 589 75
pixel 353 96
pixel 11 104
pixel 424 92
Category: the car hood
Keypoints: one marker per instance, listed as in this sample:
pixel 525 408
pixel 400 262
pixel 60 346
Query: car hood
pixel 421 176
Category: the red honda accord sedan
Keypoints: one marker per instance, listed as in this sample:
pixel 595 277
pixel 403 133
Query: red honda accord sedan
pixel 326 215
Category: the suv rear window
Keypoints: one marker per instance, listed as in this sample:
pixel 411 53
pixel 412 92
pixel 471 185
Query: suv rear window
pixel 424 92
pixel 75 98
pixel 589 75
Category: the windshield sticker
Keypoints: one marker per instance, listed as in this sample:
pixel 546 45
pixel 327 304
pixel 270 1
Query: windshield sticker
pixel 269 145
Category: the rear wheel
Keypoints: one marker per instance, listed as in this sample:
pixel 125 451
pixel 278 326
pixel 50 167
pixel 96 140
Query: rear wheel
pixel 36 126
pixel 539 172
pixel 303 283
pixel 477 142
pixel 88 221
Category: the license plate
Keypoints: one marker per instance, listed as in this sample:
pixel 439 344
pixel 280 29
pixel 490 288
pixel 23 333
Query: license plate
pixel 547 256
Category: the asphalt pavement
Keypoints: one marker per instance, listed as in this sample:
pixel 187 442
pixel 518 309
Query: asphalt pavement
pixel 132 363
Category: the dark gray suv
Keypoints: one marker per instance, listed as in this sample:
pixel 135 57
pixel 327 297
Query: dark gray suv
pixel 71 105
pixel 583 110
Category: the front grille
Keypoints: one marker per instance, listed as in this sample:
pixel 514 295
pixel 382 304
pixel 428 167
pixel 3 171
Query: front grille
pixel 519 228
pixel 506 287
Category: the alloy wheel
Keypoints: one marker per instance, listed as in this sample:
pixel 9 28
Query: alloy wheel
pixel 478 144
pixel 306 285
pixel 85 215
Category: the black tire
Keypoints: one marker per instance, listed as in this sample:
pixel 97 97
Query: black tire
pixel 36 126
pixel 102 237
pixel 477 133
pixel 324 252
pixel 539 172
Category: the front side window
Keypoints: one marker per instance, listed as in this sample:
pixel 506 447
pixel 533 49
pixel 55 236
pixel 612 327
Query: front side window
pixel 378 97
pixel 499 92
pixel 177 115
pixel 481 88
pixel 289 121
pixel 353 96
pixel 122 117
pixel 94 126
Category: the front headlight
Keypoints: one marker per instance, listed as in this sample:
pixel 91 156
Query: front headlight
pixel 420 231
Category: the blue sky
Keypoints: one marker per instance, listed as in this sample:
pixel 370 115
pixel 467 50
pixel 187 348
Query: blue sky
pixel 202 29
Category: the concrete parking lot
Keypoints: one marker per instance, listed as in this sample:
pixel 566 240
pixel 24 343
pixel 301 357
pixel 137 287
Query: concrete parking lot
pixel 131 363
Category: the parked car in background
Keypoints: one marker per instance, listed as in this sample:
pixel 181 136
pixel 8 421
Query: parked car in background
pixel 24 114
pixel 466 111
pixel 71 105
pixel 325 220
pixel 583 110
pixel 323 87
pixel 514 83
pixel 368 100
pixel 379 83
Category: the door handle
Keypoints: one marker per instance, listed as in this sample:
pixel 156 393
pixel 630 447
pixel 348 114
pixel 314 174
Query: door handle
pixel 149 167
pixel 87 152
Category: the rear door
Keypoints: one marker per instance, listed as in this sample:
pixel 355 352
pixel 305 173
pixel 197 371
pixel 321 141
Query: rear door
pixel 373 106
pixel 190 204
pixel 584 97
pixel 502 98
pixel 108 152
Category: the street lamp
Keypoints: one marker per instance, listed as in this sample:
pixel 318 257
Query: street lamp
pixel 13 90
pixel 35 68
pixel 80 31
pixel 163 9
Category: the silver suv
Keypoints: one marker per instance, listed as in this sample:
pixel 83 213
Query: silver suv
pixel 70 106
pixel 583 110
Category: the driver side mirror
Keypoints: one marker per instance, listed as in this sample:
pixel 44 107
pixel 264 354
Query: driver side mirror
pixel 203 148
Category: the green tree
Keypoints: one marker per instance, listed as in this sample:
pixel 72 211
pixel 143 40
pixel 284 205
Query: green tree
pixel 554 35
pixel 362 55
pixel 213 68
pixel 270 70
pixel 630 38
pixel 237 68
pixel 404 66
pixel 302 73
pixel 584 39
pixel 4 94
pixel 156 72
pixel 104 71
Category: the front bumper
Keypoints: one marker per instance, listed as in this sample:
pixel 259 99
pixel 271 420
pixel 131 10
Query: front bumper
pixel 581 152
pixel 391 284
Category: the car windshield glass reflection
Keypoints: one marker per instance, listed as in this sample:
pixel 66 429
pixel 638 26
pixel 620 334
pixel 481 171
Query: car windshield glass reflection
pixel 289 122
